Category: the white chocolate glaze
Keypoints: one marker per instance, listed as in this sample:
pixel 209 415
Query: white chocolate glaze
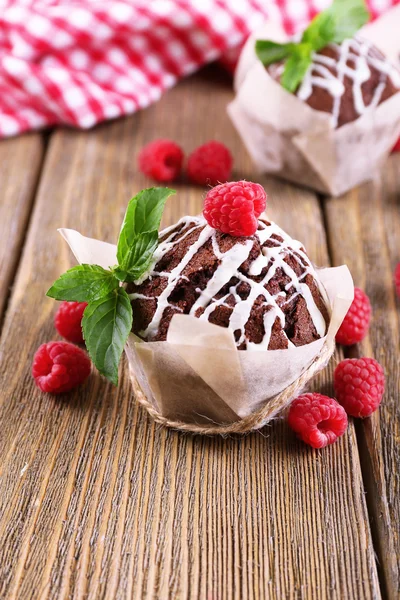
pixel 362 56
pixel 229 262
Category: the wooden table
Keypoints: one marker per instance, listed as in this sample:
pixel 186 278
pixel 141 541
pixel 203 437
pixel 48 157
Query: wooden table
pixel 96 501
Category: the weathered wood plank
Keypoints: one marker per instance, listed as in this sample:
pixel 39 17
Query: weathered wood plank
pixel 20 160
pixel 98 501
pixel 364 232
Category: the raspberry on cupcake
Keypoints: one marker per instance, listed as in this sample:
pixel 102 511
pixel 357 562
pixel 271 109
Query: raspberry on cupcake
pixel 235 207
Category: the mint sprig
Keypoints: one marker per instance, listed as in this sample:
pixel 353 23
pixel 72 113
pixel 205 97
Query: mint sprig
pixel 335 24
pixel 106 325
pixel 107 320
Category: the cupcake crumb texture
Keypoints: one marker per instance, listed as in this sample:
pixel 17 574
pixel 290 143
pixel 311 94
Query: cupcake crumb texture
pixel 263 287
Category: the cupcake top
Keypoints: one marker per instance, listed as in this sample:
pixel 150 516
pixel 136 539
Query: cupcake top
pixel 261 286
pixel 345 79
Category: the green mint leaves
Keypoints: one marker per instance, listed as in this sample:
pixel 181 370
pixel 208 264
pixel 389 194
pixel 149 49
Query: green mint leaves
pixel 296 67
pixel 107 320
pixel 106 325
pixel 339 22
pixel 138 238
pixel 269 52
pixel 83 283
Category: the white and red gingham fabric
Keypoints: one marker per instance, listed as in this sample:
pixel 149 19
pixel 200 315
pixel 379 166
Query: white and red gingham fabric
pixel 79 63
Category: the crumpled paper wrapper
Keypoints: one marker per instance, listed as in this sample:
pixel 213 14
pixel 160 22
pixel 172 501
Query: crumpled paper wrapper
pixel 289 139
pixel 198 375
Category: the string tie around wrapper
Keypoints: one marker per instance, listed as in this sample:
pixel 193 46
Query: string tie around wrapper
pixel 252 422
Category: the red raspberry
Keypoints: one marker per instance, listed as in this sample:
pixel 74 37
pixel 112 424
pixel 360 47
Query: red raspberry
pixel 59 366
pixel 210 164
pixel 396 147
pixel 234 207
pixel 161 160
pixel 317 419
pixel 356 323
pixel 68 321
pixel 397 279
pixel 359 385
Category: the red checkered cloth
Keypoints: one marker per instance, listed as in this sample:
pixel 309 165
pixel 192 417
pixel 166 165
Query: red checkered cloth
pixel 79 63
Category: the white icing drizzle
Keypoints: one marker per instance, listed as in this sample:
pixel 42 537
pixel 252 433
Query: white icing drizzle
pixel 228 268
pixel 358 51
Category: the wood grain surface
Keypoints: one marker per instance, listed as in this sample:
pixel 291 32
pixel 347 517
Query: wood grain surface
pixel 98 502
pixel 364 232
pixel 20 160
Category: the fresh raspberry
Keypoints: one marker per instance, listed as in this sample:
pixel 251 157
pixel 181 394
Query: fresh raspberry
pixel 210 164
pixel 396 147
pixel 59 366
pixel 68 321
pixel 397 279
pixel 356 323
pixel 359 385
pixel 234 207
pixel 161 160
pixel 317 419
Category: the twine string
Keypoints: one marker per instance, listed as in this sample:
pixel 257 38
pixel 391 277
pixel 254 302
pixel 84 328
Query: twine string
pixel 255 420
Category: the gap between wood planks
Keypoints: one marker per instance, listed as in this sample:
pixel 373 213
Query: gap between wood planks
pixel 354 352
pixel 14 257
pixel 374 206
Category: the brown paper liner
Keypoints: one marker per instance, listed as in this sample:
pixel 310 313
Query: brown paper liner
pixel 255 420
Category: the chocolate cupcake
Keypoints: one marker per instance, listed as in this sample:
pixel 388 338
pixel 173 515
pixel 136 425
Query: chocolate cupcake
pixel 321 110
pixel 230 319
pixel 263 287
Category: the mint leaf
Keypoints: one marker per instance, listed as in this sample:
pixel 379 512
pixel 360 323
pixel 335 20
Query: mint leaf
pixel 145 210
pixel 348 16
pixel 270 52
pixel 106 325
pixel 83 283
pixel 140 257
pixel 296 67
pixel 320 31
pixel 339 22
pixel 138 238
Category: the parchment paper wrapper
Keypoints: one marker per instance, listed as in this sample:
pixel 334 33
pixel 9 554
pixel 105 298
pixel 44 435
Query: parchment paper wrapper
pixel 198 375
pixel 289 139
